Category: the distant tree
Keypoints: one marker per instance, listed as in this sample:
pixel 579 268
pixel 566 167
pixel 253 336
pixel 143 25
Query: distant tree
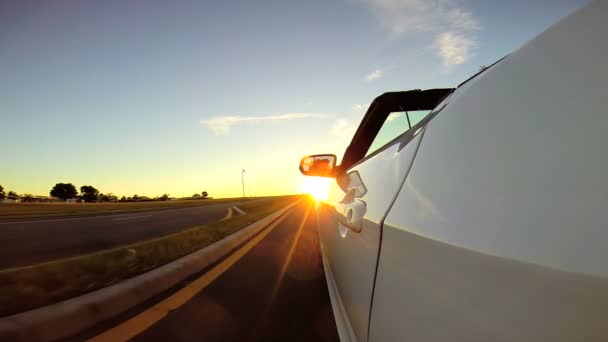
pixel 2 194
pixel 123 199
pixel 196 196
pixel 27 198
pixel 89 193
pixel 205 194
pixel 110 197
pixel 12 195
pixel 64 191
pixel 135 197
pixel 164 197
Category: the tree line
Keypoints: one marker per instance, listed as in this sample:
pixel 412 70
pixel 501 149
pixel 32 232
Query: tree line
pixel 88 193
pixel 11 194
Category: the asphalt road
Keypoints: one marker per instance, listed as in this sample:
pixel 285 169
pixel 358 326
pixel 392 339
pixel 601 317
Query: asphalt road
pixel 26 242
pixel 275 291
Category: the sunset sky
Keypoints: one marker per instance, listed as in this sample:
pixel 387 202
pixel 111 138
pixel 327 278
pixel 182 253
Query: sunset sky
pixel 153 97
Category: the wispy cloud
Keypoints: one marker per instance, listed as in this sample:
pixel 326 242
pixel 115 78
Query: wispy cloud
pixel 360 107
pixel 454 28
pixel 454 48
pixel 222 124
pixel 460 19
pixel 374 75
pixel 343 129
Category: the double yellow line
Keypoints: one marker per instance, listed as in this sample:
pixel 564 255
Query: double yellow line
pixel 136 325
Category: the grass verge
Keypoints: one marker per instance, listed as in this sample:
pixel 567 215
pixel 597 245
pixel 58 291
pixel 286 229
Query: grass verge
pixel 36 210
pixel 29 287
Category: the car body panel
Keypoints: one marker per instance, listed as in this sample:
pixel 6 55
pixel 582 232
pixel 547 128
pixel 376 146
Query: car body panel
pixel 345 330
pixel 427 290
pixel 500 230
pixel 351 257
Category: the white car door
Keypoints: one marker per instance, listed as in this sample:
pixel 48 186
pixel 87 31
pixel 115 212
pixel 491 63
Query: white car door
pixel 499 232
pixel 373 170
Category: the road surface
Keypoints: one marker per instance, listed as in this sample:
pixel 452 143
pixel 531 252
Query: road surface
pixel 29 241
pixel 272 288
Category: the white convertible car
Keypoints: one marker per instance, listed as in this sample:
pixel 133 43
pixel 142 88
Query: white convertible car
pixel 479 213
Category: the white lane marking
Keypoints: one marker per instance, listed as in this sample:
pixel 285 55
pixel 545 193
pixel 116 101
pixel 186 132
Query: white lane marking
pixel 130 218
pixel 53 220
pixel 109 215
pixel 229 215
pixel 238 210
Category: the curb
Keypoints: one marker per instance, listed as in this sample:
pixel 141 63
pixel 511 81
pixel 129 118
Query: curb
pixel 72 316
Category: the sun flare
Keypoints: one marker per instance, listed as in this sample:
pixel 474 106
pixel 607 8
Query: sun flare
pixel 318 187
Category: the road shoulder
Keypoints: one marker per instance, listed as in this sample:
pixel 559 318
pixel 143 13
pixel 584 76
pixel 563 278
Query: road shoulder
pixel 69 317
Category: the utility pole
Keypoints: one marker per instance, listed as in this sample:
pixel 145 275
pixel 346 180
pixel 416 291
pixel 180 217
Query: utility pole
pixel 243 181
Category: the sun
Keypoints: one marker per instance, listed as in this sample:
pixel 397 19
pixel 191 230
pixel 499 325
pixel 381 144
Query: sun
pixel 318 187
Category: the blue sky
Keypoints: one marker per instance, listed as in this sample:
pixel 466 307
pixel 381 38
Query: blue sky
pixel 152 97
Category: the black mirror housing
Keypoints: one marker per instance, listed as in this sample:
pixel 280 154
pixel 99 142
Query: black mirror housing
pixel 320 165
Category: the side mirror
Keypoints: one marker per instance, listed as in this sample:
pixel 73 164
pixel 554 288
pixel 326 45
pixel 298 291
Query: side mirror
pixel 320 165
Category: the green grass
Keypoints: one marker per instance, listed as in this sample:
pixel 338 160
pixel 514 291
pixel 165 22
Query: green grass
pixel 34 210
pixel 29 287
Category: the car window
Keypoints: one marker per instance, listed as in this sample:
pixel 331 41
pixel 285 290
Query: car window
pixel 396 124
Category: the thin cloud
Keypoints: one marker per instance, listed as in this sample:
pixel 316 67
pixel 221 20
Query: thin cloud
pixel 358 107
pixel 343 130
pixel 461 19
pixel 454 48
pixel 222 124
pixel 454 28
pixel 374 75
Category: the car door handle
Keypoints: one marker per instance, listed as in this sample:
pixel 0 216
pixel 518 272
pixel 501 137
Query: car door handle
pixel 350 213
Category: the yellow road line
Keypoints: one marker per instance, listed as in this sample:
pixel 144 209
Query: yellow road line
pixel 136 325
pixel 277 284
pixel 292 249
